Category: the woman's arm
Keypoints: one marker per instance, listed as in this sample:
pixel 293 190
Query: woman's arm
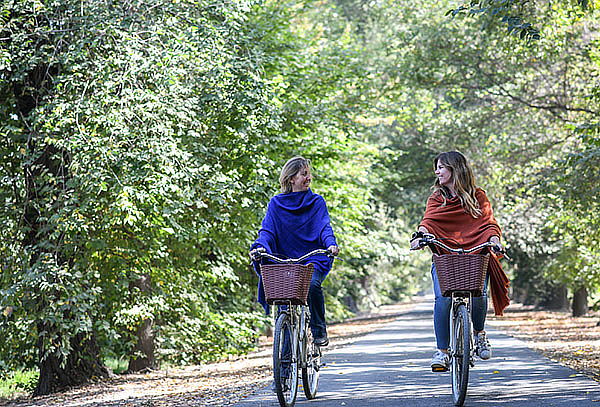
pixel 267 237
pixel 327 237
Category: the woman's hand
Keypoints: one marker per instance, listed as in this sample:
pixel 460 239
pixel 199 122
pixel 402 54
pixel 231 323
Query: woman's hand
pixel 416 238
pixel 255 253
pixel 414 244
pixel 334 250
pixel 496 240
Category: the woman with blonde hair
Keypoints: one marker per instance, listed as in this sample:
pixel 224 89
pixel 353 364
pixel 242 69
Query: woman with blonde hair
pixel 461 213
pixel 297 222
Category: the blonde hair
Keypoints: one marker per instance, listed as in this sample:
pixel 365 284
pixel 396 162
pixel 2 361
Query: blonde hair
pixel 291 168
pixel 463 181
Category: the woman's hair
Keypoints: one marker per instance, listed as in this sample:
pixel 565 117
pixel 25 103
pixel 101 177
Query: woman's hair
pixel 462 179
pixel 291 168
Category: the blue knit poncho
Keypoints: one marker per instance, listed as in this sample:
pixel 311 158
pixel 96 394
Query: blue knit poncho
pixel 295 224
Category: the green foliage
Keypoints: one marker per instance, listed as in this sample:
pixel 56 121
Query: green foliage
pixel 508 13
pixel 143 113
pixel 116 365
pixel 145 138
pixel 514 15
pixel 18 381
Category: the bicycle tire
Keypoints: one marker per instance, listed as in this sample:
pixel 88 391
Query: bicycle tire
pixel 311 363
pixel 287 389
pixel 461 354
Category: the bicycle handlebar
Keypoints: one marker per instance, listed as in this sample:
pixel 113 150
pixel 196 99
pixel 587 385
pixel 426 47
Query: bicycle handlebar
pixel 431 240
pixel 258 254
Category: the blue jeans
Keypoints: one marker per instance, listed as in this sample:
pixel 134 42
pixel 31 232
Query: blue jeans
pixel 441 312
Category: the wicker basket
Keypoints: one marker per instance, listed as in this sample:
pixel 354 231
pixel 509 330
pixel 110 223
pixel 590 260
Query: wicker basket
pixel 286 282
pixel 461 272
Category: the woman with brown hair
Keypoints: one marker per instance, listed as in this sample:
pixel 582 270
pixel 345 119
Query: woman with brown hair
pixel 461 213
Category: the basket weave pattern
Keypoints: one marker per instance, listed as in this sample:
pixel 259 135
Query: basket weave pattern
pixel 461 272
pixel 286 282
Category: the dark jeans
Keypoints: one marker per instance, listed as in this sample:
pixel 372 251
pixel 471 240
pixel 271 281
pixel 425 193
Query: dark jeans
pixel 318 326
pixel 316 304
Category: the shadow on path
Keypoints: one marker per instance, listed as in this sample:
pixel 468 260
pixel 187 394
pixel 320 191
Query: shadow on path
pixel 390 367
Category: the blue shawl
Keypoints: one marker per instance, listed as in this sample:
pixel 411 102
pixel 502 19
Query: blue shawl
pixel 295 224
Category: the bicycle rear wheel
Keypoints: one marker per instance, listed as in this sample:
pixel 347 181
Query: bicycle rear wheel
pixel 461 354
pixel 285 361
pixel 310 371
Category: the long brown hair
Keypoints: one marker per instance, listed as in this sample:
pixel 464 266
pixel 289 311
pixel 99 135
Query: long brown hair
pixel 291 168
pixel 463 181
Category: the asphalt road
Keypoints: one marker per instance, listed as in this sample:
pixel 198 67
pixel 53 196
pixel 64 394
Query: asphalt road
pixel 390 367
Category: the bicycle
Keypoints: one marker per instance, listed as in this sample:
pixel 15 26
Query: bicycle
pixel 461 276
pixel 293 347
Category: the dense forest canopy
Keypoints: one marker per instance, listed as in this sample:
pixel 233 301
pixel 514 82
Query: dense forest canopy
pixel 141 142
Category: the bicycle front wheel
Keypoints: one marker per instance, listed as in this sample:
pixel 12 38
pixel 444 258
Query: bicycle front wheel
pixel 311 365
pixel 285 361
pixel 461 354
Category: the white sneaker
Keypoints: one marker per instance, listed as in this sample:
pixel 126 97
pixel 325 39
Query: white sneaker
pixel 483 348
pixel 440 362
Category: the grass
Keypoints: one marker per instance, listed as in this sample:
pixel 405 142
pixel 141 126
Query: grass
pixel 18 382
pixel 117 365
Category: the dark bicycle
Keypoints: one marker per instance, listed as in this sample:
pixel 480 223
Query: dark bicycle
pixel 286 285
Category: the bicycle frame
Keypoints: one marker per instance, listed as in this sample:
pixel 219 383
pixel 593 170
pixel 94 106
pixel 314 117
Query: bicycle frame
pixel 304 356
pixel 462 347
pixel 299 316
pixel 461 297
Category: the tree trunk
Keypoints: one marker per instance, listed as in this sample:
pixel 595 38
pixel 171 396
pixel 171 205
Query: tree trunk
pixel 580 302
pixel 82 364
pixel 143 352
pixel 46 173
pixel 556 298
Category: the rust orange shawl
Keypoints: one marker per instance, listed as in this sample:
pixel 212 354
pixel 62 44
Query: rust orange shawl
pixel 452 222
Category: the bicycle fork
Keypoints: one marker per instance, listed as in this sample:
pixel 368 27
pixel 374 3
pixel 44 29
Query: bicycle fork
pixel 466 301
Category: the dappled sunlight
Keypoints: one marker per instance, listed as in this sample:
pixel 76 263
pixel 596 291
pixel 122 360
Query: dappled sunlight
pixel 390 367
pixel 573 341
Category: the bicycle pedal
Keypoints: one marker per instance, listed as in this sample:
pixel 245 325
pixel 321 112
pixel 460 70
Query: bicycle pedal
pixel 437 369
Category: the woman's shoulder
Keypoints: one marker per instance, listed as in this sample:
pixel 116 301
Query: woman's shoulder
pixel 435 196
pixel 481 195
pixel 316 196
pixel 308 194
pixel 480 192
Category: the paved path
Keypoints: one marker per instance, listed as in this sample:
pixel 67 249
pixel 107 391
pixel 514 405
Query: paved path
pixel 390 367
